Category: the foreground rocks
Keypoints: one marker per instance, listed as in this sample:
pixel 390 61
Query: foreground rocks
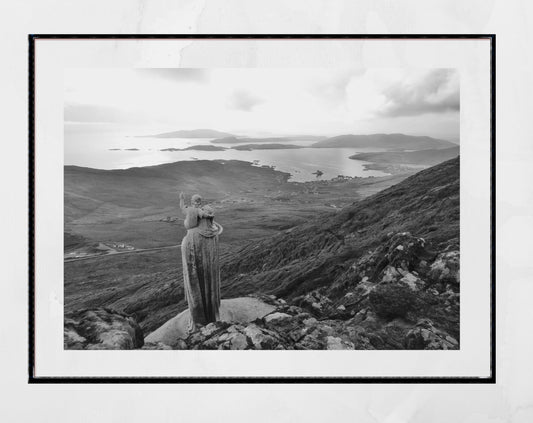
pixel 290 327
pixel 101 329
pixel 236 310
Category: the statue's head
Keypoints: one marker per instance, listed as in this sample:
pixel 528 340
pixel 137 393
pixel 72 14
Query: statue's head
pixel 208 211
pixel 196 200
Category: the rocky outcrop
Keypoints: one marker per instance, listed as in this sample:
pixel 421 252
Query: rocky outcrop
pixel 291 327
pixel 101 329
pixel 445 269
pixel 235 310
pixel 426 337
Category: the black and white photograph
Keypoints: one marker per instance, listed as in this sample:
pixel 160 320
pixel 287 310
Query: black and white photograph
pixel 318 209
pixel 262 209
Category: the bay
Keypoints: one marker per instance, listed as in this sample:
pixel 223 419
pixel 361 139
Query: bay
pixel 117 150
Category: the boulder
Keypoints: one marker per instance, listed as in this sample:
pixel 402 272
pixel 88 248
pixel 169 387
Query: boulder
pixel 445 268
pixel 277 317
pixel 101 329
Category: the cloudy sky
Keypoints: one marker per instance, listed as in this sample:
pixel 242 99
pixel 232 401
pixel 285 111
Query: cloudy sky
pixel 250 101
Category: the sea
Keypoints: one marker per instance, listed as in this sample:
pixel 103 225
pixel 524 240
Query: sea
pixel 121 150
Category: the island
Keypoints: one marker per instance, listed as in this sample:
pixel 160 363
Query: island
pixel 193 133
pixel 396 142
pixel 197 147
pixel 268 146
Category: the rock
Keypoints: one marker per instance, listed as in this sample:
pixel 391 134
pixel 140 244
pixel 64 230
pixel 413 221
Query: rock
pixel 209 329
pixel 236 337
pixel 445 268
pixel 276 318
pixel 156 346
pixel 235 310
pixel 341 308
pixel 310 322
pixel 260 339
pixel 426 337
pixel 238 342
pixel 334 343
pixel 412 281
pixel 390 274
pixel 101 329
pixel 401 251
pixel 359 317
pixel 316 303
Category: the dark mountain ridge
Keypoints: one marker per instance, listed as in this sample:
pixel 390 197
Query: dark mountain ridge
pixel 419 157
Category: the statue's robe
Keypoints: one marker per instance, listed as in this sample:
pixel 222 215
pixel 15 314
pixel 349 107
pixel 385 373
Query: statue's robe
pixel 201 267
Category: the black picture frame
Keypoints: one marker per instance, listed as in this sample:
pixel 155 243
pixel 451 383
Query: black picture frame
pixel 32 379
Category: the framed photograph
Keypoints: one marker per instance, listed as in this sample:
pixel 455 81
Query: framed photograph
pixel 262 208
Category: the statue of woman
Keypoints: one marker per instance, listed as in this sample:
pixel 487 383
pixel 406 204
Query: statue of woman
pixel 201 268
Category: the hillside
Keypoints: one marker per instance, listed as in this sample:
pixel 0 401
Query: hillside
pixel 321 252
pixel 388 141
pixel 129 205
pixel 139 206
pixel 420 157
pixel 381 273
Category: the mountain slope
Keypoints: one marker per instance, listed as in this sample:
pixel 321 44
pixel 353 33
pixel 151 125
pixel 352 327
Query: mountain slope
pixel 388 141
pixel 381 273
pixel 321 252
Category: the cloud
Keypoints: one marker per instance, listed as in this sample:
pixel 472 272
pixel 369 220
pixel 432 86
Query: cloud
pixel 243 101
pixel 333 90
pixel 175 74
pixel 436 92
pixel 90 113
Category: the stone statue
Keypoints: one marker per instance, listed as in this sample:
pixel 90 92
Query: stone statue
pixel 201 267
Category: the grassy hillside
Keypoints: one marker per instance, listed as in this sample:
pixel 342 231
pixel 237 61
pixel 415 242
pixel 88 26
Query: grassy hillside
pixel 128 205
pixel 321 252
pixel 318 250
pixel 139 206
